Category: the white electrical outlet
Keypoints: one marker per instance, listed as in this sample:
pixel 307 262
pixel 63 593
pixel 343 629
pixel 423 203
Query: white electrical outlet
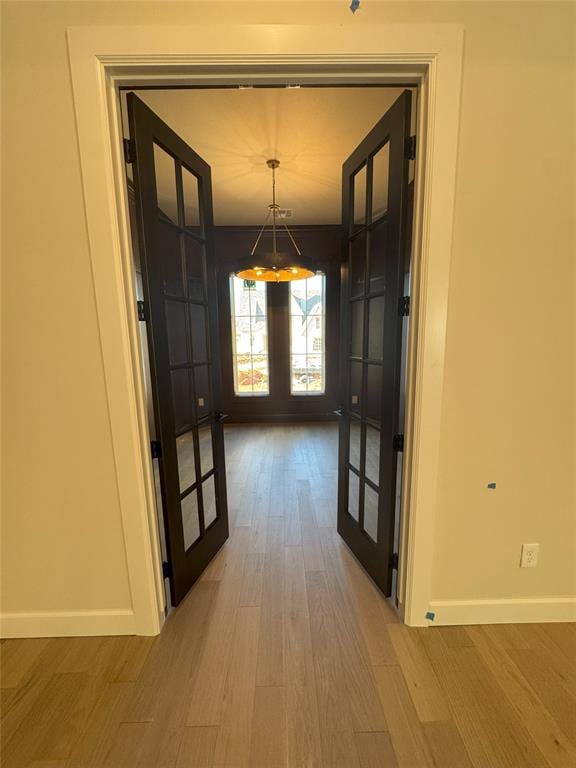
pixel 529 556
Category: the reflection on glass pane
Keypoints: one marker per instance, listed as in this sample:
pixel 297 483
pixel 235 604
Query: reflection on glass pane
pixel 249 336
pixel 202 384
pixel 198 333
pixel 194 268
pixel 357 264
pixel 374 392
pixel 357 328
pixel 176 331
pixel 259 336
pixel 370 512
pixel 360 196
pixel 377 282
pixel 181 398
pixel 355 431
pixel 372 470
pixel 191 205
pixel 209 500
pixel 171 260
pixel 355 386
pixel 307 331
pixel 353 495
pixel 165 171
pixel 376 328
pixel 260 374
pixel 190 521
pixel 205 442
pixel 186 468
pixel 242 374
pixel 380 171
pixel 243 341
pixel 299 380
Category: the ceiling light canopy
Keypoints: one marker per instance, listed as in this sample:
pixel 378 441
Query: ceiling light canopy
pixel 275 267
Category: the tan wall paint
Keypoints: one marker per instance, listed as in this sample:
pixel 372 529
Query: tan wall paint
pixel 509 406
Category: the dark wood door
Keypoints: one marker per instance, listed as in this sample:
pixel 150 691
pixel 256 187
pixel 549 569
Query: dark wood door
pixel 175 230
pixel 374 207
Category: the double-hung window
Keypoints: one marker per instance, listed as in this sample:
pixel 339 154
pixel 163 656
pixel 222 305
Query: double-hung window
pixel 307 332
pixel 249 337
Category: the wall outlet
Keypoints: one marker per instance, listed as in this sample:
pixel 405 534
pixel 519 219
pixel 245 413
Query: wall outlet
pixel 529 555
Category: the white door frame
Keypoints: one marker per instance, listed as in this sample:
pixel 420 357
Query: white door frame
pixel 104 58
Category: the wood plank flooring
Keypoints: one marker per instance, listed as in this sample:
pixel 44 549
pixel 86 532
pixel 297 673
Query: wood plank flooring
pixel 285 654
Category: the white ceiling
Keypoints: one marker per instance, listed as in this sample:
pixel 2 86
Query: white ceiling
pixel 310 130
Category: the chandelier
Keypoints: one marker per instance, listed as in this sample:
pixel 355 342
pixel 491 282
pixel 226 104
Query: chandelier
pixel 275 267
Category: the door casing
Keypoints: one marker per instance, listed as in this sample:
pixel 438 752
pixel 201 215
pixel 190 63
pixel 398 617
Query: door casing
pixel 104 59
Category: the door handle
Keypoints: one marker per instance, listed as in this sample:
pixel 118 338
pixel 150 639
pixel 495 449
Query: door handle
pixel 338 411
pixel 220 416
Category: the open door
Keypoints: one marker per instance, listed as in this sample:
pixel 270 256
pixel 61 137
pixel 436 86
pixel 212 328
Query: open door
pixel 374 203
pixel 173 195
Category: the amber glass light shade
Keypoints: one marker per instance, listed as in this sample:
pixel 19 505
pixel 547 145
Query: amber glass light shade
pixel 275 274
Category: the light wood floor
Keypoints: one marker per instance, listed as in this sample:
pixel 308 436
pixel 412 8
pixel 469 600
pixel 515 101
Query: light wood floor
pixel 285 654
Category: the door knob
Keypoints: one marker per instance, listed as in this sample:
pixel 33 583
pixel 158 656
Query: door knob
pixel 220 416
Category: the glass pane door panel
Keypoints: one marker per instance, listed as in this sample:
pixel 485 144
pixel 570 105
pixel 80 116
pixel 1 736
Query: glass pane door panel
pixel 186 465
pixel 377 277
pixel 202 386
pixel 380 173
pixel 360 197
pixel 171 259
pixel 356 328
pixel 209 500
pixel 355 432
pixel 374 392
pixel 353 495
pixel 165 171
pixel 181 398
pixel 191 202
pixel 206 453
pixel 376 328
pixel 372 454
pixel 190 519
pixel 357 264
pixel 355 386
pixel 370 512
pixel 176 331
pixel 198 332
pixel 194 268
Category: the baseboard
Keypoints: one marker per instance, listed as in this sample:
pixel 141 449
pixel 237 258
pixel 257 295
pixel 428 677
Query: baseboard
pixel 511 611
pixel 67 623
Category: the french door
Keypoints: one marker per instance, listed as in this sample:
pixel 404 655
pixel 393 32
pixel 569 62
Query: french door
pixel 175 231
pixel 374 207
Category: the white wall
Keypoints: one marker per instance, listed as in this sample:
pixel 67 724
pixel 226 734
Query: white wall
pixel 509 409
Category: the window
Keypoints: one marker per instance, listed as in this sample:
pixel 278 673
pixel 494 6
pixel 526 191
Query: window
pixel 249 336
pixel 307 346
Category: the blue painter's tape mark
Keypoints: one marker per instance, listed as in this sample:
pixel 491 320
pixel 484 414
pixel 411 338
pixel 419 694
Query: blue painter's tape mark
pixel 492 486
pixel 430 615
pixel 354 5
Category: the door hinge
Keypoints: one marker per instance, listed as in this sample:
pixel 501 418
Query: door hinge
pixel 155 449
pixel 141 306
pixel 394 561
pixel 165 569
pixel 398 443
pixel 129 151
pixel 410 148
pixel 404 306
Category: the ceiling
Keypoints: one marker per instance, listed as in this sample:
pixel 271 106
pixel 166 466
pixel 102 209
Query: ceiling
pixel 310 130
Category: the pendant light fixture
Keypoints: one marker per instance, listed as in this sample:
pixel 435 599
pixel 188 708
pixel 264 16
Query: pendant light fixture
pixel 275 267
